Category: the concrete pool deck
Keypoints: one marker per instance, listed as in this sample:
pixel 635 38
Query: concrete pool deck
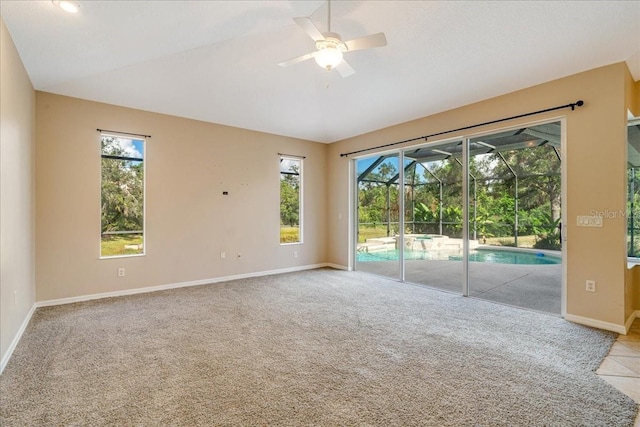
pixel 535 287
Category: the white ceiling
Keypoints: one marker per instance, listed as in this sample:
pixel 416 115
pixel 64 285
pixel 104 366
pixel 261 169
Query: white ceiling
pixel 216 60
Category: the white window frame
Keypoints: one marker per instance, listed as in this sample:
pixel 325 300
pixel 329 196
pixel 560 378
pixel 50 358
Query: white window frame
pixel 144 195
pixel 300 160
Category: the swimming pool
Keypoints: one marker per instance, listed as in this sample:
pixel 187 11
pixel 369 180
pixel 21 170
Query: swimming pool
pixel 497 256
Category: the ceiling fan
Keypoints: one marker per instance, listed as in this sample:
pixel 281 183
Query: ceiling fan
pixel 330 47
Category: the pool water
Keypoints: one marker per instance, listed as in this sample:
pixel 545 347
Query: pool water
pixel 481 255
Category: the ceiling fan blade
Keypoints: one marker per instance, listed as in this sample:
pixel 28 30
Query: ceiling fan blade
pixel 366 42
pixel 297 59
pixel 344 69
pixel 308 26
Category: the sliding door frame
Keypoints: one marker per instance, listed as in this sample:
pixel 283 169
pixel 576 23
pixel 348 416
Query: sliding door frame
pixel 465 139
pixel 401 194
pixel 465 216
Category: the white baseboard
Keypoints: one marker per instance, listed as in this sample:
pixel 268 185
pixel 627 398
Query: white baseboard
pixel 90 297
pixel 337 266
pixel 16 339
pixel 620 329
pixel 635 315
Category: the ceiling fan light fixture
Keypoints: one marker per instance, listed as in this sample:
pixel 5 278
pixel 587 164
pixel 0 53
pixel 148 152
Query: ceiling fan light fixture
pixel 329 57
pixel 67 6
pixel 330 47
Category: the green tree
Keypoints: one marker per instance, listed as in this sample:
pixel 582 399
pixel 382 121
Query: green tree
pixel 373 191
pixel 539 189
pixel 122 189
pixel 290 197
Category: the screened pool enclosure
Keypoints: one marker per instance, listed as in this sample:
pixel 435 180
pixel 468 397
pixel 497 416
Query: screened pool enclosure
pixel 496 196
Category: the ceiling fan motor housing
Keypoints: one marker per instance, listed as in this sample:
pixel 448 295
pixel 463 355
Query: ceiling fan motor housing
pixel 331 40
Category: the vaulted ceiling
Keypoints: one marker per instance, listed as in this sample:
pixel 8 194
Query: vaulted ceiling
pixel 217 60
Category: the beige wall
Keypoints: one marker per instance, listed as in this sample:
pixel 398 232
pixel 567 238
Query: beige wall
pixel 596 177
pixel 632 93
pixel 17 193
pixel 188 220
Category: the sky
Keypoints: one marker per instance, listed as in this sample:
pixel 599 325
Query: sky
pixel 131 147
pixel 286 164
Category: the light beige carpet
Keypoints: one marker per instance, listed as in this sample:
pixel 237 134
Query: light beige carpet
pixel 321 347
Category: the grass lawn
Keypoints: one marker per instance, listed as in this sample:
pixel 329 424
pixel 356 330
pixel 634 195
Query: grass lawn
pixel 523 241
pixel 365 233
pixel 289 234
pixel 114 245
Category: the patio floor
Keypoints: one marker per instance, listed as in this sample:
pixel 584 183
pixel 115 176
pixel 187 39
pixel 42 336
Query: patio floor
pixel 535 287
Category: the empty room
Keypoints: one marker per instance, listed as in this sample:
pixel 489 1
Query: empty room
pixel 327 213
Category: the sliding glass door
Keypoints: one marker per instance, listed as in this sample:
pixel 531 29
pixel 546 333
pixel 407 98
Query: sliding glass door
pixel 433 239
pixel 481 216
pixel 515 217
pixel 377 234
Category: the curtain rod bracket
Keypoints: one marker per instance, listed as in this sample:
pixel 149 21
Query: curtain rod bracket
pixel 580 103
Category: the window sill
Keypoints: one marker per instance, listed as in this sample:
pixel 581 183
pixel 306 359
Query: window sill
pixel 121 256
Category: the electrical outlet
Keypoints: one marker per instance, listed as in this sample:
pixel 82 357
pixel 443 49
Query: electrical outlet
pixel 295 254
pixel 223 255
pixel 121 272
pixel 590 286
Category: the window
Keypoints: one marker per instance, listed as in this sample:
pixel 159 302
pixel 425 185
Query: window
pixel 633 193
pixel 290 200
pixel 122 196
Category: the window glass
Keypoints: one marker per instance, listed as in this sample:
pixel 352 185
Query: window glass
pixel 290 200
pixel 122 196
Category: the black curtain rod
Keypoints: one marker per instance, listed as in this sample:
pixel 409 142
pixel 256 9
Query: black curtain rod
pixel 573 106
pixel 124 133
